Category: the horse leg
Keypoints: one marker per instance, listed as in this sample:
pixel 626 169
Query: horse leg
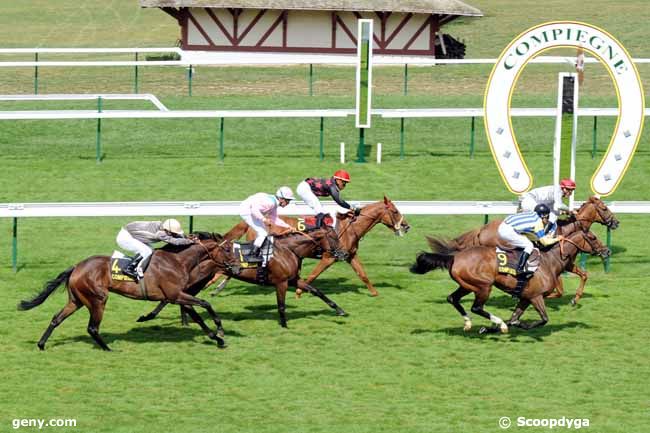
pixel 280 295
pixel 581 287
pixel 538 303
pixel 154 313
pixel 314 291
pixel 454 299
pixel 199 321
pixel 96 308
pixel 220 286
pixel 321 267
pixel 361 272
pixel 519 310
pixel 66 311
pixel 558 291
pixel 185 298
pixel 480 299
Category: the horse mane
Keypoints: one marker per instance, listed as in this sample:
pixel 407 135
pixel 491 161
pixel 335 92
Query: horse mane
pixel 204 236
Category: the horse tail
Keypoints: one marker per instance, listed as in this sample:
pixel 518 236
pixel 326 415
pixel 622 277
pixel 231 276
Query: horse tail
pixel 442 246
pixel 49 288
pixel 426 262
pixel 467 239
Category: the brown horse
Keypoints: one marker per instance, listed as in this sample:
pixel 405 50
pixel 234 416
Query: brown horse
pixel 351 229
pixel 283 269
pixel 591 211
pixel 170 273
pixel 475 270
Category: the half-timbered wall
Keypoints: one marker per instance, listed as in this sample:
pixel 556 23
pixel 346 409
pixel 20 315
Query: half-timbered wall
pixel 305 31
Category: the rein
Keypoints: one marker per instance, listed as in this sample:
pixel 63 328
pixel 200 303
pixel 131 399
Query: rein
pixel 562 244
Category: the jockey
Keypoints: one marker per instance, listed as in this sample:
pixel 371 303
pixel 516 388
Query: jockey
pixel 522 228
pixel 312 188
pixel 546 195
pixel 261 209
pixel 137 237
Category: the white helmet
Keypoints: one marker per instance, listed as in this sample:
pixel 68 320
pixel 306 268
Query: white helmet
pixel 172 226
pixel 285 193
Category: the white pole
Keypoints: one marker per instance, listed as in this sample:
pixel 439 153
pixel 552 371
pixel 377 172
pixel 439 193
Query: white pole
pixel 378 153
pixel 342 153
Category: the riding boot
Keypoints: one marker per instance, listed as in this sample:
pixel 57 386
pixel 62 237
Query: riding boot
pixel 522 275
pixel 319 219
pixel 131 269
pixel 255 255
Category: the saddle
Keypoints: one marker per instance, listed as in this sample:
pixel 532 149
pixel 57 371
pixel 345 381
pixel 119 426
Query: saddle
pixel 242 252
pixel 119 262
pixel 306 223
pixel 507 260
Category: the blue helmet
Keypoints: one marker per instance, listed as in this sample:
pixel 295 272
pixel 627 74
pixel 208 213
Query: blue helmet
pixel 542 210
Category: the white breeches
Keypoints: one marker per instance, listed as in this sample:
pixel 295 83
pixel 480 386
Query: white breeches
pixel 127 242
pixel 259 228
pixel 508 234
pixel 304 191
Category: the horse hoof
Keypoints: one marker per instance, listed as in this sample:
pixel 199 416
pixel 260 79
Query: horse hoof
pixel 221 344
pixel 574 302
pixel 503 328
pixel 468 326
pixel 220 333
pixel 483 330
pixel 340 312
pixel 375 293
pixel 142 319
pixel 41 346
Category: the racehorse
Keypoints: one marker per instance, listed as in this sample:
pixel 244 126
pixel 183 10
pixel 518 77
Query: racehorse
pixel 171 272
pixel 475 270
pixel 591 211
pixel 351 229
pixel 283 269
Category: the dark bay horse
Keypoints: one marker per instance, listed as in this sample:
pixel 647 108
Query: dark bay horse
pixel 591 211
pixel 475 270
pixel 168 277
pixel 351 229
pixel 283 268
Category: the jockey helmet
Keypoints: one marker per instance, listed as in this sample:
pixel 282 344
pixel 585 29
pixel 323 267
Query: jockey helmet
pixel 568 184
pixel 343 175
pixel 285 193
pixel 542 210
pixel 172 226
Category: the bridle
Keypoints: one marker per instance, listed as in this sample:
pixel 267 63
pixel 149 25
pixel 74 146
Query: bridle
pixel 585 236
pixel 607 220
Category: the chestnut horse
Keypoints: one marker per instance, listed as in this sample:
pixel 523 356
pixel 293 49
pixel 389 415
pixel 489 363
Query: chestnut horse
pixel 351 229
pixel 283 268
pixel 171 272
pixel 475 270
pixel 591 211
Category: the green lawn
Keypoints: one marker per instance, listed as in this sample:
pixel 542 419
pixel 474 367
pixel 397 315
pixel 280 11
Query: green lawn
pixel 399 362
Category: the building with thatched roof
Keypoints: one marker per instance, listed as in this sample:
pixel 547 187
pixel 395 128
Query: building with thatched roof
pixel 404 27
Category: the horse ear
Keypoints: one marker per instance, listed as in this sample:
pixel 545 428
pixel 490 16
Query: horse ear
pixel 386 200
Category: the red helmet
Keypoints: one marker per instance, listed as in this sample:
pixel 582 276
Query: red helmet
pixel 343 175
pixel 568 184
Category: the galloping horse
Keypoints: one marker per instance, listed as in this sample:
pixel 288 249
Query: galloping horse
pixel 171 272
pixel 593 210
pixel 475 270
pixel 351 229
pixel 283 268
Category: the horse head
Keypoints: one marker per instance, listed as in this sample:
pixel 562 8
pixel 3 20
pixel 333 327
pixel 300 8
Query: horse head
pixel 393 219
pixel 595 210
pixel 588 242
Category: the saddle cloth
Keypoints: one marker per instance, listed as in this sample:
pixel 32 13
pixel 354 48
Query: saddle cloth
pixel 119 262
pixel 308 222
pixel 507 260
pixel 242 251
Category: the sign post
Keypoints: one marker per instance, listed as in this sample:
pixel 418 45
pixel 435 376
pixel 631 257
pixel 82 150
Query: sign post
pixel 363 83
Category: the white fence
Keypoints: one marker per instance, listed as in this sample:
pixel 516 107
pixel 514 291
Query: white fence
pixel 231 208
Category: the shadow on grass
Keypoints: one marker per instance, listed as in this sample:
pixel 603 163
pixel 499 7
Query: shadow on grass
pixel 516 335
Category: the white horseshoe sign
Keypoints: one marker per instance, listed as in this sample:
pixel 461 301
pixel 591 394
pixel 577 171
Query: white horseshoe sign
pixel 503 79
